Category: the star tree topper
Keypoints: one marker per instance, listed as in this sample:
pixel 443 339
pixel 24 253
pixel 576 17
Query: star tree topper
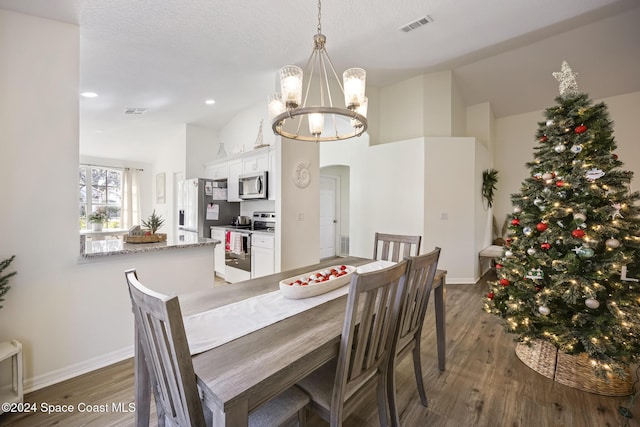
pixel 567 79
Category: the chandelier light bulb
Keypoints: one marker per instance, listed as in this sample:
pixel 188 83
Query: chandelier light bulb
pixel 276 106
pixel 316 124
pixel 291 85
pixel 354 80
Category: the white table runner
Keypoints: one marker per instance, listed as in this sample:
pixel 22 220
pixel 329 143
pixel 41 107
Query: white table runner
pixel 218 326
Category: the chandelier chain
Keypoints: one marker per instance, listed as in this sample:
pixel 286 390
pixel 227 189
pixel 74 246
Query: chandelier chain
pixel 319 16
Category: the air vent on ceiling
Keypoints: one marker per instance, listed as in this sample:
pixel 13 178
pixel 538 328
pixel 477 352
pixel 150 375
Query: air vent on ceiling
pixel 135 111
pixel 417 23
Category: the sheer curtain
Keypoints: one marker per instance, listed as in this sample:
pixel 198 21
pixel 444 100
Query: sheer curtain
pixel 130 198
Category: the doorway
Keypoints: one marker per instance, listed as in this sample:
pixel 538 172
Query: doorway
pixel 329 214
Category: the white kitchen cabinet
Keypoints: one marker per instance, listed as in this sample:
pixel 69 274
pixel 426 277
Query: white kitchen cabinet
pixel 218 253
pixel 255 163
pixel 262 255
pixel 218 170
pixel 235 170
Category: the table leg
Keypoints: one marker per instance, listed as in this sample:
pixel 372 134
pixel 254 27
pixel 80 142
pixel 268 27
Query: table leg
pixel 440 306
pixel 142 386
pixel 233 416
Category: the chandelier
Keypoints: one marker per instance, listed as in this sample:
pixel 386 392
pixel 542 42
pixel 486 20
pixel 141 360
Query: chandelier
pixel 288 109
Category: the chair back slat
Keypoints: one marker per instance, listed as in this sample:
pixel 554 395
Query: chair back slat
pixel 160 328
pixel 420 275
pixel 394 247
pixel 373 306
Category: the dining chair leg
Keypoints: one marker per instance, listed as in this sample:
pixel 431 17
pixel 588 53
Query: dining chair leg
pixel 417 368
pixel 391 395
pixel 383 403
pixel 302 417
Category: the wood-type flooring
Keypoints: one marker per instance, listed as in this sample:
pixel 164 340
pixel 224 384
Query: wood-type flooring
pixel 484 384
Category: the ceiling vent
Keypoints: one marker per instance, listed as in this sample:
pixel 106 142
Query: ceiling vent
pixel 416 24
pixel 135 111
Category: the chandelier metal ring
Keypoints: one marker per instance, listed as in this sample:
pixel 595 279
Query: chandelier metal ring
pixel 305 111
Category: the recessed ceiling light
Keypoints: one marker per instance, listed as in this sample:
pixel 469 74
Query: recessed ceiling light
pixel 210 101
pixel 89 94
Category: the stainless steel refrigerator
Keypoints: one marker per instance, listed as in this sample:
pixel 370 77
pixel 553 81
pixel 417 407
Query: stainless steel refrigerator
pixel 204 205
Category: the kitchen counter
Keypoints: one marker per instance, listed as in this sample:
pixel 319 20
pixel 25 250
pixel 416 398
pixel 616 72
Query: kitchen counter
pixel 177 240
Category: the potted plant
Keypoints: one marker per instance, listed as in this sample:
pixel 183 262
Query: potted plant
pixel 97 218
pixel 4 280
pixel 153 223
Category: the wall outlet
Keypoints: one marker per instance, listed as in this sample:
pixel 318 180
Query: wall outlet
pixel 444 216
pixel 300 216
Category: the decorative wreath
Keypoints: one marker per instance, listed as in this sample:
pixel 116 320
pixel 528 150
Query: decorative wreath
pixel 301 175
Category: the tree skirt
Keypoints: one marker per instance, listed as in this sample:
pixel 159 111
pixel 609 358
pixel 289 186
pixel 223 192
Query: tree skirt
pixel 573 371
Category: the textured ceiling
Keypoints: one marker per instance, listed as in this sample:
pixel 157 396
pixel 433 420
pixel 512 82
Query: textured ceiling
pixel 169 56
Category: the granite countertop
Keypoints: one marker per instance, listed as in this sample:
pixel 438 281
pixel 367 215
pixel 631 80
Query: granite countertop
pixel 180 239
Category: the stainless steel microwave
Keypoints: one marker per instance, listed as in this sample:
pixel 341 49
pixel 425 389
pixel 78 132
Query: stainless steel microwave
pixel 253 185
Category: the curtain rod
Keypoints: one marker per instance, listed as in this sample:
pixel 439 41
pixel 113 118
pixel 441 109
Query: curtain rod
pixel 111 167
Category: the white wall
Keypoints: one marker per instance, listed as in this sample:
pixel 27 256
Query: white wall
pixel 515 139
pixel 71 316
pixel 298 209
pixel 240 134
pixel 201 147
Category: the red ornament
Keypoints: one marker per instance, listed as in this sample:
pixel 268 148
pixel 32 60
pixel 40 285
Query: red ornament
pixel 541 226
pixel 543 138
pixel 490 295
pixel 504 282
pixel 538 288
pixel 559 183
pixel 545 246
pixel 615 156
pixel 498 266
pixel 515 221
pixel 581 129
pixel 507 241
pixel 578 233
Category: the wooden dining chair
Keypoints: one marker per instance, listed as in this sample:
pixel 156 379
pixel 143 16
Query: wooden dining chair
pixel 394 247
pixel 160 331
pixel 373 305
pixel 421 272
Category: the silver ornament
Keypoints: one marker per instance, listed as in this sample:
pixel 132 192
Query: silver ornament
pixel 559 148
pixel 576 149
pixel 544 310
pixel 592 303
pixel 517 209
pixel 531 251
pixel 549 122
pixel 537 201
pixel 547 176
pixel 527 231
pixel 612 243
pixel 579 217
pixel 508 254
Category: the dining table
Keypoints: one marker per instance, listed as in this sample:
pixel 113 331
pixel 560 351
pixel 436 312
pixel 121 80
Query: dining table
pixel 240 375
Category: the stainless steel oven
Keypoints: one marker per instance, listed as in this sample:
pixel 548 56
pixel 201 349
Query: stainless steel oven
pixel 237 256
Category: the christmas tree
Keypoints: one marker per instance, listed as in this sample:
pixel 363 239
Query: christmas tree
pixel 569 268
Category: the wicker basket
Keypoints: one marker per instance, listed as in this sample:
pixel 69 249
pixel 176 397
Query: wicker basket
pixel 151 238
pixel 572 371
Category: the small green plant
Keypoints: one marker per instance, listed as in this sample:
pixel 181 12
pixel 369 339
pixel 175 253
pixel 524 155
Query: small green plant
pixel 4 280
pixel 153 223
pixel 489 181
pixel 99 216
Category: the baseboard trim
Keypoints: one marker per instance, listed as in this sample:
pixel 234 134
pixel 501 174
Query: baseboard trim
pixel 59 375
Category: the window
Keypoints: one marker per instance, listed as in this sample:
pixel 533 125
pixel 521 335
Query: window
pixel 100 190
